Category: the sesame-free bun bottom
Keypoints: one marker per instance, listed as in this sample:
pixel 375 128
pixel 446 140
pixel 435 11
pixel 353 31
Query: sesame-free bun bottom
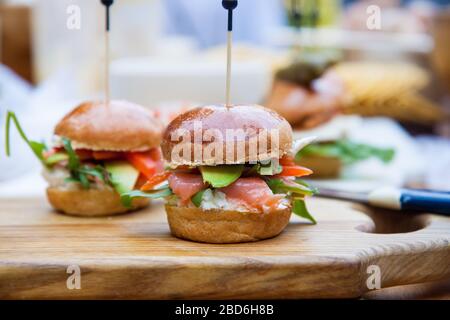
pixel 90 202
pixel 218 226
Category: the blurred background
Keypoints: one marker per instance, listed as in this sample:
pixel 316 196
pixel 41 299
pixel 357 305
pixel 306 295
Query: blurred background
pixel 372 82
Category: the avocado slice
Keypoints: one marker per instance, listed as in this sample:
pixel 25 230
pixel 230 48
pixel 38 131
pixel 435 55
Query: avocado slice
pixel 123 175
pixel 221 176
pixel 55 158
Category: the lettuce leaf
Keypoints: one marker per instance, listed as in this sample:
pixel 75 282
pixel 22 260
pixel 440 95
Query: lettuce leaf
pixel 349 152
pixel 221 176
pixel 299 208
pixel 128 197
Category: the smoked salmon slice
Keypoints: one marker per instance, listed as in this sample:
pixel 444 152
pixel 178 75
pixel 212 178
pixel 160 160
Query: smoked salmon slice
pixel 185 185
pixel 252 191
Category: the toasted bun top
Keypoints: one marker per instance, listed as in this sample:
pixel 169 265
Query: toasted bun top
pixel 118 126
pixel 216 134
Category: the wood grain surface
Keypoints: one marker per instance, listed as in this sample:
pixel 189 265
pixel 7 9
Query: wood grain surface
pixel 134 256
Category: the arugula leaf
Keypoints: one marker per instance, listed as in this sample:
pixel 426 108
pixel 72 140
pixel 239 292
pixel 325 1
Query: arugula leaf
pixel 349 152
pixel 280 186
pixel 37 147
pixel 299 208
pixel 71 180
pixel 198 197
pixel 81 175
pixel 78 172
pixel 97 171
pixel 128 197
pixel 74 161
pixel 83 180
pixel 221 176
pixel 74 165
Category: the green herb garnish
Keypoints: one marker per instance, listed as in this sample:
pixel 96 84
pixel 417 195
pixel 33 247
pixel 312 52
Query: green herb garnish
pixel 297 190
pixel 97 171
pixel 75 165
pixel 295 187
pixel 300 209
pixel 37 147
pixel 349 152
pixel 74 161
pixel 128 197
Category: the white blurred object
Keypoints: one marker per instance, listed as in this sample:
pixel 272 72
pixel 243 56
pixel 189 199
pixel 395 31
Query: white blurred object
pixel 176 47
pixel 14 96
pixel 135 29
pixel 337 128
pixel 38 111
pixel 151 81
pixel 29 185
pixel 364 41
pixel 56 46
pixel 14 91
pixel 408 162
pixel 206 21
pixel 436 152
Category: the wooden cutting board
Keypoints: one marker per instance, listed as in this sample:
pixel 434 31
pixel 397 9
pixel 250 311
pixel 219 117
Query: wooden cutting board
pixel 134 256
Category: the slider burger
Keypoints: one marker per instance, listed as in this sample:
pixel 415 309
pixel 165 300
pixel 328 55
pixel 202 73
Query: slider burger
pixel 232 176
pixel 334 153
pixel 100 152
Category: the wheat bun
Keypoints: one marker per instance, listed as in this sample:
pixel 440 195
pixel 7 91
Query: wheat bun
pixel 255 122
pixel 219 226
pixel 90 202
pixel 117 126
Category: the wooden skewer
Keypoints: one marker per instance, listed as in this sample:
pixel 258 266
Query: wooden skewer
pixel 229 5
pixel 107 71
pixel 107 4
pixel 229 53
